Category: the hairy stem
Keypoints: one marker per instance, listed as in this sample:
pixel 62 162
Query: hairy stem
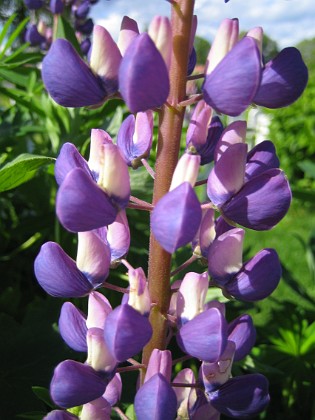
pixel 170 129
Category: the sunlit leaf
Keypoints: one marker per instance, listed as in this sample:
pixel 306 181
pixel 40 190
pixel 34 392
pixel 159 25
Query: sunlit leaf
pixel 20 170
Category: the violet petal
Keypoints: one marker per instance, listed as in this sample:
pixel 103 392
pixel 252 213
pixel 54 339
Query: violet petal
pixel 58 274
pixel 176 217
pixel 261 158
pixel 262 202
pixel 82 205
pixel 283 80
pixel 232 85
pixel 126 332
pixel 243 396
pixel 156 399
pixel 75 384
pixel 72 327
pixel 258 278
pixel 143 76
pixel 227 176
pixel 60 415
pixel 242 331
pixel 69 158
pixel 68 79
pixel 205 336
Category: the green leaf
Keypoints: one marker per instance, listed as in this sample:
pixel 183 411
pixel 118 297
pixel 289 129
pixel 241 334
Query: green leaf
pixel 20 170
pixel 43 394
pixel 130 412
pixel 65 31
pixel 6 27
pixel 308 167
pixel 14 36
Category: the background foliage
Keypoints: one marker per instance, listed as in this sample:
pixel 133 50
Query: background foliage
pixel 32 130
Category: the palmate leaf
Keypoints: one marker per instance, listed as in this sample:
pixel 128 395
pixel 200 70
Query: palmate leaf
pixel 21 170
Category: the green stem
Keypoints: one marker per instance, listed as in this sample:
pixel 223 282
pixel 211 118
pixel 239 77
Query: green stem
pixel 170 130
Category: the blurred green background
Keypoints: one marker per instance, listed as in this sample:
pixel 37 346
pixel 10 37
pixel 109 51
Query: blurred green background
pixel 33 126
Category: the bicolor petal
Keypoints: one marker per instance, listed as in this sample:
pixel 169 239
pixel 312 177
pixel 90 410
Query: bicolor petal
pixel 191 296
pixel 58 274
pixel 225 257
pixel 113 390
pixel 118 237
pixel 68 79
pixel 105 58
pixel 134 137
pixel 227 176
pixel 99 357
pixel 176 218
pixel 93 257
pixel 60 415
pixel 98 310
pixel 283 80
pixel 232 134
pixel 98 409
pixel 143 76
pixel 75 384
pixel 232 85
pixel 160 362
pixel 128 32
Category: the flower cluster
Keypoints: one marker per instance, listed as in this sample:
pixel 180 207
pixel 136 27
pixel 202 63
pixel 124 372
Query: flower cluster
pixel 40 32
pixel 244 188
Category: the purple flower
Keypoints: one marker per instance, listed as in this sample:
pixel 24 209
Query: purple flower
pixel 79 195
pixel 231 86
pixel 71 82
pixel 33 36
pixel 59 275
pixel 262 201
pixel 134 138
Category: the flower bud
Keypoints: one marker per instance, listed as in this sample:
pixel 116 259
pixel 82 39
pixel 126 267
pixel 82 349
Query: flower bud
pixel 160 362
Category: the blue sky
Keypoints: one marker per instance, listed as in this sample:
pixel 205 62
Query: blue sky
pixel 286 21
